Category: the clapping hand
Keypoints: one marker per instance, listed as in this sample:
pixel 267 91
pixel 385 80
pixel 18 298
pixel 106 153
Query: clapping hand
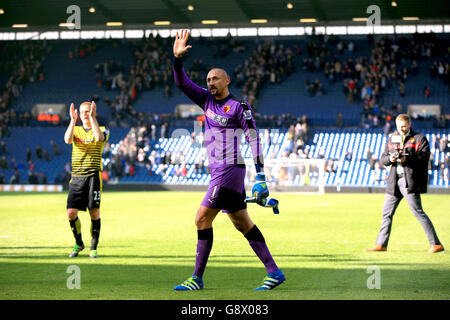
pixel 93 111
pixel 73 113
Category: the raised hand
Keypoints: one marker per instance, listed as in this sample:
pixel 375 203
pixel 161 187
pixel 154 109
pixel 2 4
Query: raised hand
pixel 93 111
pixel 179 46
pixel 73 113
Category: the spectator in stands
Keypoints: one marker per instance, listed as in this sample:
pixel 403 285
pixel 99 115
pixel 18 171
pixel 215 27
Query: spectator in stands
pixel 339 121
pixel 164 130
pixel 3 163
pixel 443 144
pixel 167 91
pixel 2 178
pixel 431 163
pixel 3 148
pixel 427 91
pixel 3 129
pixel 39 152
pixel 67 168
pixel 29 155
pixel 131 171
pixel 387 128
pixel 447 159
pixel 43 178
pixel 142 158
pixel 319 90
pixel 45 155
pixel 349 155
pixel 371 159
pixel 444 173
pixel 401 88
pixel 377 172
pixel 32 178
pixel 330 166
pixel 30 166
pixel 117 167
pixel 62 177
pixel 55 147
pixel 15 178
pixel 183 170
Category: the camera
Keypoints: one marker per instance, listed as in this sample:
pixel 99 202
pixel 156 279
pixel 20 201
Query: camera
pixel 399 151
pixel 395 153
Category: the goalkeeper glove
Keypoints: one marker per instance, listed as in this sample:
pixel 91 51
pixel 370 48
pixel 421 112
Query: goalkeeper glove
pixel 260 190
pixel 265 202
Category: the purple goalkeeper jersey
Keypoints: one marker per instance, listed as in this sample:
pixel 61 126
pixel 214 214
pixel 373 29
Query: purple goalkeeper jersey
pixel 225 122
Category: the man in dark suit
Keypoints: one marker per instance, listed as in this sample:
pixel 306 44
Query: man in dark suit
pixel 407 152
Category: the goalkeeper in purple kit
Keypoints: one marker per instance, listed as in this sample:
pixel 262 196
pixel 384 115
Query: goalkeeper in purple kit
pixel 226 119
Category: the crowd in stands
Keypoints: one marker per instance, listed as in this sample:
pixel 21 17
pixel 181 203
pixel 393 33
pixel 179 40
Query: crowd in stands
pixel 270 63
pixel 222 47
pixel 137 151
pixel 152 70
pixel 441 69
pixel 22 62
pixel 88 47
pixel 28 165
pixel 391 62
pixel 314 88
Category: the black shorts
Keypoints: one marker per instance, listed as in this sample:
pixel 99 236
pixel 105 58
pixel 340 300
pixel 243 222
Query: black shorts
pixel 228 200
pixel 85 192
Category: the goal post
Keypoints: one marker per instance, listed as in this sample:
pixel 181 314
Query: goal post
pixel 292 175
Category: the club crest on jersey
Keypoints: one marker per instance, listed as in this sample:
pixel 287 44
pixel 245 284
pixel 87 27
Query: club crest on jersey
pixel 216 118
pixel 226 108
pixel 247 115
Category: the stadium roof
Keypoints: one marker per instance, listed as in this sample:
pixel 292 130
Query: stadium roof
pixel 45 14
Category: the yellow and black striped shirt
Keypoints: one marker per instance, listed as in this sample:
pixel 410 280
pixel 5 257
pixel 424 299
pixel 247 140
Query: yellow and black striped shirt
pixel 86 152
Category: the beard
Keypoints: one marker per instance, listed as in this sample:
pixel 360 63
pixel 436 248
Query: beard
pixel 214 91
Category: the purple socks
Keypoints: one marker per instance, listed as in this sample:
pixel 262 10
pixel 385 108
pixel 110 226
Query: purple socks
pixel 259 246
pixel 255 239
pixel 204 246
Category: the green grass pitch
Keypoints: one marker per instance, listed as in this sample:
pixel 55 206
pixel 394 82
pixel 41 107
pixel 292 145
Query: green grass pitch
pixel 148 240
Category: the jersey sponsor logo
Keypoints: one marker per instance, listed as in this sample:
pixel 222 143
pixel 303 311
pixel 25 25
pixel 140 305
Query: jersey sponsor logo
pixel 84 141
pixel 247 115
pixel 216 118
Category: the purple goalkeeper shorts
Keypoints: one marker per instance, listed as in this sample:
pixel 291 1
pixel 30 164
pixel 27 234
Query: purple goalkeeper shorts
pixel 226 190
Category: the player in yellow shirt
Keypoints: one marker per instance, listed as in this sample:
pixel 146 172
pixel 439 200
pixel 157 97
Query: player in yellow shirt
pixel 85 186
